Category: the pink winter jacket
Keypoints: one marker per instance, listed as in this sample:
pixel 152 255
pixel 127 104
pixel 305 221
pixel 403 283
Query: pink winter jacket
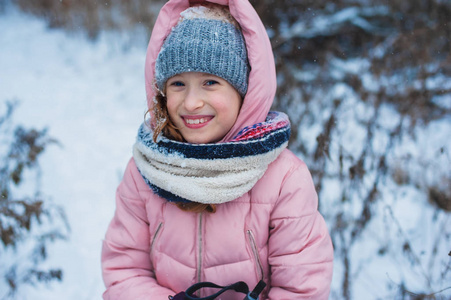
pixel 274 232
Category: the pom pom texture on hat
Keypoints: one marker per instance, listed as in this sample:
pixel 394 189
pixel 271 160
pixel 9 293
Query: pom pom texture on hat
pixel 204 42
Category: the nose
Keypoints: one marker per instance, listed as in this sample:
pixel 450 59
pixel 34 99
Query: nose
pixel 193 99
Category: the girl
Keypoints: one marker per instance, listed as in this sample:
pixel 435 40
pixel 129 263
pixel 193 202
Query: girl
pixel 212 193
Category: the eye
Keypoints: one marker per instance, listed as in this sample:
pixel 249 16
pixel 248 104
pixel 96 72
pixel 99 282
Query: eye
pixel 211 82
pixel 177 83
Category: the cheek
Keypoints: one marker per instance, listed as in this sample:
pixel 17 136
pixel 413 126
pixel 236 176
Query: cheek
pixel 230 108
pixel 228 118
pixel 225 110
pixel 171 105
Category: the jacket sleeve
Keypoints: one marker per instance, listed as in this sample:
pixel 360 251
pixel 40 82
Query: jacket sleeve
pixel 126 266
pixel 300 249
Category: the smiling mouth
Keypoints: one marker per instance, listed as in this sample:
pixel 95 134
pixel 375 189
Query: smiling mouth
pixel 197 121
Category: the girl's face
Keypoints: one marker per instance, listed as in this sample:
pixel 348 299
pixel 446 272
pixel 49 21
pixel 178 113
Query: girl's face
pixel 203 107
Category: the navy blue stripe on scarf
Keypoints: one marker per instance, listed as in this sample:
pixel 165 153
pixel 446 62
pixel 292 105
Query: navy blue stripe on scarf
pixel 272 140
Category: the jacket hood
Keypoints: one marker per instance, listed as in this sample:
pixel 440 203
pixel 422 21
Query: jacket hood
pixel 262 77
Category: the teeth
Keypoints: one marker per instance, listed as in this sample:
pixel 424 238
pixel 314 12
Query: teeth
pixel 195 121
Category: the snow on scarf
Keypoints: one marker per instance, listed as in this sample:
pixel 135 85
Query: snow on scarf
pixel 210 173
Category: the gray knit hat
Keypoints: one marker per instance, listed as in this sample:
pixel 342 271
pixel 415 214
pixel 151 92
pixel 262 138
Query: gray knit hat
pixel 204 42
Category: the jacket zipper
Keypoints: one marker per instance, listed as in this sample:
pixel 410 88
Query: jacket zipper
pixel 199 249
pixel 256 255
pixel 152 244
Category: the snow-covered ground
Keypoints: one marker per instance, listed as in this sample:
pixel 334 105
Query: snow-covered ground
pixel 91 97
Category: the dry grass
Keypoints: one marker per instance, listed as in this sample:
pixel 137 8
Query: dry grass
pixel 93 16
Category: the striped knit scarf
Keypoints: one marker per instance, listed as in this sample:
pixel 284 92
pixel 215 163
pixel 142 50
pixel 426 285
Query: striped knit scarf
pixel 210 173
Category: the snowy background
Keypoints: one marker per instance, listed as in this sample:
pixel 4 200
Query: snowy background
pixel 90 96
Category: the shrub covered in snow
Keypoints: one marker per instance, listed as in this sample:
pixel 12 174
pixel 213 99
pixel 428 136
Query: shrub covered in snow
pixel 28 222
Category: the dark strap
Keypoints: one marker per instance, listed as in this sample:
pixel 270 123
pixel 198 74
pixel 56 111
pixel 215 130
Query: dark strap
pixel 240 287
pixel 257 290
